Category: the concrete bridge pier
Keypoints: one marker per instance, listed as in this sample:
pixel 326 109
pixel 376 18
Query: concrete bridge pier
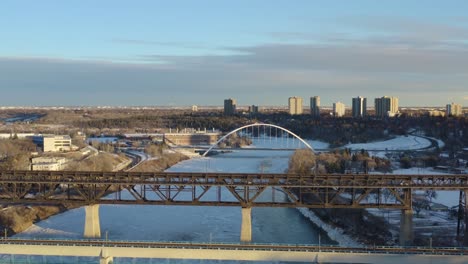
pixel 92 228
pixel 104 257
pixel 246 225
pixel 406 227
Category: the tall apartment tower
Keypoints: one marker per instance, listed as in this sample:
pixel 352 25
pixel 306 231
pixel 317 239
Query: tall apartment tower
pixel 338 109
pixel 454 109
pixel 359 106
pixel 295 105
pixel 230 106
pixel 253 109
pixel 386 106
pixel 315 106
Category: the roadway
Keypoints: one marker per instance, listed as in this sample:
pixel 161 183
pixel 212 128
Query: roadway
pixel 233 251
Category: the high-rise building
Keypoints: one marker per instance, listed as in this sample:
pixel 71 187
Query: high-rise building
pixel 230 106
pixel 295 105
pixel 253 109
pixel 386 106
pixel 315 106
pixel 338 109
pixel 359 106
pixel 454 109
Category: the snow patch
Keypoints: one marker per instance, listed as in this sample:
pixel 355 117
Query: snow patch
pixel 398 143
pixel 37 230
pixel 333 232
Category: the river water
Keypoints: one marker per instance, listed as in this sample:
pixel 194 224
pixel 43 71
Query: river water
pixel 192 223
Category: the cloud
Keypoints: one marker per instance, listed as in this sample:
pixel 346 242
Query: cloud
pixel 423 69
pixel 262 77
pixel 187 45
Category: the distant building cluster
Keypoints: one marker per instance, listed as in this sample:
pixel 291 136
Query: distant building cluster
pixel 454 109
pixel 385 106
pixel 230 107
pixel 253 109
pixel 436 113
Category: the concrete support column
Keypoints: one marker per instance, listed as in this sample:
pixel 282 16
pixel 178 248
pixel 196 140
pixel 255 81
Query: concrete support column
pixel 104 257
pixel 92 228
pixel 246 225
pixel 406 227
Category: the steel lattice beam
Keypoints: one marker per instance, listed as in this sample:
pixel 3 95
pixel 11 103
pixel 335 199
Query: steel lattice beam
pixel 313 191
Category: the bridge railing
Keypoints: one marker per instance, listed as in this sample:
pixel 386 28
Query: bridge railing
pixel 245 246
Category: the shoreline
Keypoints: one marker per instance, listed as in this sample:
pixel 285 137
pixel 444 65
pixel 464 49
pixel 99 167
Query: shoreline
pixel 16 219
pixel 334 233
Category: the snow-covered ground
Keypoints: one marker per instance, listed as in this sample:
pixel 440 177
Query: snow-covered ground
pixel 448 198
pixel 398 143
pixel 440 143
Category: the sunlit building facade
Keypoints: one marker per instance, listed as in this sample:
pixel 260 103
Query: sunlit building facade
pixel 339 109
pixel 359 107
pixel 454 109
pixel 386 106
pixel 295 105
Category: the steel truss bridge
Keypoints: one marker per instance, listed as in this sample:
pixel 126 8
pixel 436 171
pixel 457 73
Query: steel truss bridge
pixel 209 189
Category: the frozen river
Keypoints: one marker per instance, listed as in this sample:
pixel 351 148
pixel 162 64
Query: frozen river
pixel 204 224
pixel 192 223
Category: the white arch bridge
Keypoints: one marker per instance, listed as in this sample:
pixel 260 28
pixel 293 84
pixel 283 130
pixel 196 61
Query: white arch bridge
pixel 263 134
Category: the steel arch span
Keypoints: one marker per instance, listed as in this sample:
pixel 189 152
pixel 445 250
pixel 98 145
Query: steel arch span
pixel 257 125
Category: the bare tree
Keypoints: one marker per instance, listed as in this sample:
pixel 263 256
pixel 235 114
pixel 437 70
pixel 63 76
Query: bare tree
pixel 302 162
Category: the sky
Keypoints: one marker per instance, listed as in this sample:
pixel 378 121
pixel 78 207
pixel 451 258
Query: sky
pixel 197 52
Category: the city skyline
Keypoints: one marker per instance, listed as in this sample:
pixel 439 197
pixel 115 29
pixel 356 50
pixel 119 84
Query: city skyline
pixel 163 53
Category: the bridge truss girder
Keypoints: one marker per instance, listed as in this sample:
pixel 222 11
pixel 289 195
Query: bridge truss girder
pixel 215 189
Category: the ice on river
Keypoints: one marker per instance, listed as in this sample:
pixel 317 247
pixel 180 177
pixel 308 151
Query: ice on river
pixel 192 223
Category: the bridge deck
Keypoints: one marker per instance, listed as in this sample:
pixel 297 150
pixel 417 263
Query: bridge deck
pixel 313 191
pixel 227 251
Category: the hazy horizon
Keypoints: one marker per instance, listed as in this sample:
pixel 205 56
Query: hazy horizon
pixel 154 53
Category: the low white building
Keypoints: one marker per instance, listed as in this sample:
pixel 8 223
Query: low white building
pixel 48 163
pixel 53 143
